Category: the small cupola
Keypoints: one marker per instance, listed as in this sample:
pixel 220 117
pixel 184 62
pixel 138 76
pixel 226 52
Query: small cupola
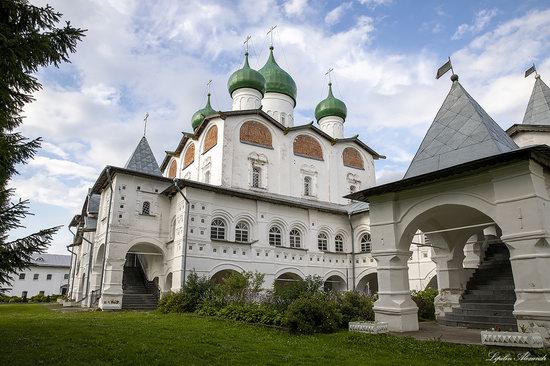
pixel 246 87
pixel 331 107
pixel 277 80
pixel 201 114
pixel 331 113
pixel 246 77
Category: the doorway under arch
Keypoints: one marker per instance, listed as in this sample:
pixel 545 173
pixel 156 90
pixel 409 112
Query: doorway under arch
pixel 368 285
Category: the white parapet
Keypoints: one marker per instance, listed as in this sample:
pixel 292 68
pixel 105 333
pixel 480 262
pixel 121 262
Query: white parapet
pixel 369 327
pixel 511 339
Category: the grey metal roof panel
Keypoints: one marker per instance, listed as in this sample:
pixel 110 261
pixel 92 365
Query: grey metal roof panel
pixel 90 223
pixel 461 131
pixel 538 108
pixel 51 260
pixel 143 160
pixel 93 203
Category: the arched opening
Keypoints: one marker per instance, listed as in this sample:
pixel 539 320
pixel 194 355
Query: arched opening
pixel 448 228
pixel 287 279
pixel 433 283
pixel 335 283
pixel 368 285
pixel 168 282
pixel 220 276
pixel 140 279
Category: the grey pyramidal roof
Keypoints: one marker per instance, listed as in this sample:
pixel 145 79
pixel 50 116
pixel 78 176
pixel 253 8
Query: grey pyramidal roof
pixel 538 109
pixel 461 132
pixel 143 160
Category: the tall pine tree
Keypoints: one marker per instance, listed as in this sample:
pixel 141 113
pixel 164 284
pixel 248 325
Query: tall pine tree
pixel 29 39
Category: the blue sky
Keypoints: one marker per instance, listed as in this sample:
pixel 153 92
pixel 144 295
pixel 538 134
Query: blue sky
pixel 142 57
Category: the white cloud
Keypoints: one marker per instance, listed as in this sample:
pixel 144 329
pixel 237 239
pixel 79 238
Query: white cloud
pixel 481 20
pixel 374 3
pixel 295 7
pixel 57 167
pixel 335 15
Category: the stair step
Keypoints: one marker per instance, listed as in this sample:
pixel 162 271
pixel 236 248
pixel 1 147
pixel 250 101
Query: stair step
pixel 477 325
pixel 487 305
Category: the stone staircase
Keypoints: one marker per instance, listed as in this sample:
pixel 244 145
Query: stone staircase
pixel 488 300
pixel 138 294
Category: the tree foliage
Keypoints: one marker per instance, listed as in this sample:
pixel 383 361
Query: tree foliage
pixel 29 39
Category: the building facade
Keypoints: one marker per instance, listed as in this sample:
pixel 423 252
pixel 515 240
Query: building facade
pixel 48 274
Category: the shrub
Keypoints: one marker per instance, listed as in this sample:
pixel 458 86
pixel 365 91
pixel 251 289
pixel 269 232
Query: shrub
pixel 242 287
pixel 190 297
pixel 425 302
pixel 253 313
pixel 285 293
pixel 355 306
pixel 313 314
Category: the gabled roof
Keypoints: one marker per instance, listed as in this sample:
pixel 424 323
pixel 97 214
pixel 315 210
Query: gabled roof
pixel 538 108
pixel 109 172
pixel 258 112
pixel 51 260
pixel 461 131
pixel 143 160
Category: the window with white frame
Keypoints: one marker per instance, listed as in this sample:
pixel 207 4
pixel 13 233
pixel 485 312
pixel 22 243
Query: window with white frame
pixel 275 236
pixel 256 176
pixel 322 241
pixel 217 230
pixel 146 208
pixel 365 243
pixel 207 177
pixel 308 186
pixel 295 238
pixel 242 232
pixel 339 243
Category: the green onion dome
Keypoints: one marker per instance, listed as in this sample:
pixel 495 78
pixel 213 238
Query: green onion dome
pixel 277 80
pixel 331 106
pixel 246 78
pixel 201 114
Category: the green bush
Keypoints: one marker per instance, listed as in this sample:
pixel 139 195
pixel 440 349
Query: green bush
pixel 195 292
pixel 317 313
pixel 15 299
pixel 285 293
pixel 242 287
pixel 425 302
pixel 355 306
pixel 253 313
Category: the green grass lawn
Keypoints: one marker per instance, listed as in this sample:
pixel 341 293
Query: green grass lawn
pixel 36 335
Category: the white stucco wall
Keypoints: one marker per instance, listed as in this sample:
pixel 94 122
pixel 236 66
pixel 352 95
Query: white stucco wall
pixel 33 287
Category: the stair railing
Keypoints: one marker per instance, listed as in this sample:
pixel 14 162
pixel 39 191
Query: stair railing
pixel 148 284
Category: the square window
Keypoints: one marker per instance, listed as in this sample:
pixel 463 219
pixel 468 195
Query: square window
pixel 35 277
pixel 21 276
pixel 48 277
pixel 66 276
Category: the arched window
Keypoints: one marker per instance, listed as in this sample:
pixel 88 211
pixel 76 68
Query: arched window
pixel 295 238
pixel 173 169
pixel 255 133
pixel 308 147
pixel 241 232
pixel 211 139
pixel 365 243
pixel 338 243
pixel 322 241
pixel 146 208
pixel 275 237
pixel 217 230
pixel 352 158
pixel 307 186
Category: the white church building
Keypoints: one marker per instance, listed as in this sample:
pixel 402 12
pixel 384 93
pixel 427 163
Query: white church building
pixel 248 190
